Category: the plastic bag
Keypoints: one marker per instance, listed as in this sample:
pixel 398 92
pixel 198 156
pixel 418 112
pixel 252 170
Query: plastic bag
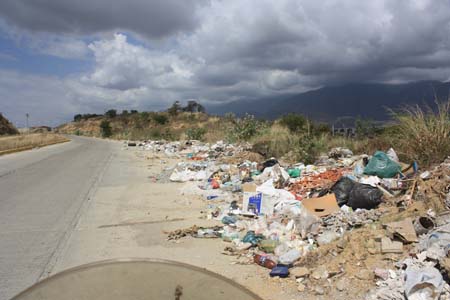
pixel 392 155
pixel 342 189
pixel 382 166
pixel 294 173
pixel 364 196
pixel 423 284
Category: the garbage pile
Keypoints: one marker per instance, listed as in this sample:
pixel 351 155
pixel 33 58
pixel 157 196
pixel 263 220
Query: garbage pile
pixel 285 217
pixel 193 150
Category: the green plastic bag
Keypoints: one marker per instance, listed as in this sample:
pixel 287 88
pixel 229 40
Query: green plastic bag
pixel 294 173
pixel 382 166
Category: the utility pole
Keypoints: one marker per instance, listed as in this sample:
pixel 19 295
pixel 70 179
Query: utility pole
pixel 28 116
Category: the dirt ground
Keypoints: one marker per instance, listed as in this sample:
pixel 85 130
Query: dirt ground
pixel 131 212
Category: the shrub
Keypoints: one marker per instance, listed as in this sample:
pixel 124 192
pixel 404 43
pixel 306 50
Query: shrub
pixel 294 122
pixel 243 129
pixel 106 129
pixel 278 141
pixel 195 133
pixel 160 119
pixel 112 113
pixel 424 134
pixel 144 117
pixel 77 118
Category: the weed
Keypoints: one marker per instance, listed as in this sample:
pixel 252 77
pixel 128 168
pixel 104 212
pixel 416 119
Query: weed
pixel 243 129
pixel 195 133
pixel 424 134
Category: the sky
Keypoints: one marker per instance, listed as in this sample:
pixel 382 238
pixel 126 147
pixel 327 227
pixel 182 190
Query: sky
pixel 63 57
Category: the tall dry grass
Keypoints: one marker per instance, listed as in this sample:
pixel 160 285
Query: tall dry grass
pixel 424 134
pixel 30 140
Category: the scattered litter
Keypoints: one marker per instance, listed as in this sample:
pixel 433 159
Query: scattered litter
pixel 371 225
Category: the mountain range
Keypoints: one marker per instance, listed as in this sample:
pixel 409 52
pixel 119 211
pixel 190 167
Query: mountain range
pixel 365 100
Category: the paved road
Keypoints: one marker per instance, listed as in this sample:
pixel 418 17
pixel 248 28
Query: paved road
pixel 42 195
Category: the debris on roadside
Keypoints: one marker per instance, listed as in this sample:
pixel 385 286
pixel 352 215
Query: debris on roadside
pixel 348 223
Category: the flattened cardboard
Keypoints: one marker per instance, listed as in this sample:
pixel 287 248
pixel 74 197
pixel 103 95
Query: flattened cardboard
pixel 322 206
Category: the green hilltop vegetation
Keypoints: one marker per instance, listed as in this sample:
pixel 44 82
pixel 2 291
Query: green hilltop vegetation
pixel 416 134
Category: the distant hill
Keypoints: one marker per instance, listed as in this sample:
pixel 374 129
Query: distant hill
pixel 7 127
pixel 367 100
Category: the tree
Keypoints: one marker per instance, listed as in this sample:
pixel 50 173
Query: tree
pixel 77 118
pixel 124 112
pixel 174 109
pixel 112 113
pixel 193 106
pixel 133 111
pixel 106 129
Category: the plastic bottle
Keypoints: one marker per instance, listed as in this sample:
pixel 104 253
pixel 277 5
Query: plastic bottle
pixel 263 261
pixel 290 257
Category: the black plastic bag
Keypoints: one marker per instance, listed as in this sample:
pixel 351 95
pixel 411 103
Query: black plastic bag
pixel 364 196
pixel 270 163
pixel 342 189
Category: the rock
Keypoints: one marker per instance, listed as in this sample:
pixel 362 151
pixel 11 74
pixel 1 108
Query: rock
pixel 341 285
pixel 319 290
pixel 320 273
pixel 300 279
pixel 381 273
pixel 364 274
pixel 342 243
pixel 299 272
pixel 301 287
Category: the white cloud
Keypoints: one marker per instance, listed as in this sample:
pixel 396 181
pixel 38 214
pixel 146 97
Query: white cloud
pixel 64 47
pixel 123 66
pixel 239 49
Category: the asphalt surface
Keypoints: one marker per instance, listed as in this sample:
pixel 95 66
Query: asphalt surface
pixel 42 196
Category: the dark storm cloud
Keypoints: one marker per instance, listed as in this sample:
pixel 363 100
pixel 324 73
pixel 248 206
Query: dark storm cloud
pixel 338 41
pixel 151 18
pixel 223 50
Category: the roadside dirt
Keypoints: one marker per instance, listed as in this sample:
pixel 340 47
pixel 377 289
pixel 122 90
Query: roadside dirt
pixel 135 207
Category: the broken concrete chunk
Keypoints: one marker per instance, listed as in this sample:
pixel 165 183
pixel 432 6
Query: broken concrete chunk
pixel 404 230
pixel 388 246
pixel 381 273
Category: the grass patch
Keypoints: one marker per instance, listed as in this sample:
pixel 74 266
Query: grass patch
pixel 11 143
pixel 423 134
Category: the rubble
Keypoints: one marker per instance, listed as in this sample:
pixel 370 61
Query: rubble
pixel 346 223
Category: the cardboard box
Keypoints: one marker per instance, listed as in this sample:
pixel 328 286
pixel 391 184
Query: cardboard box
pixel 322 206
